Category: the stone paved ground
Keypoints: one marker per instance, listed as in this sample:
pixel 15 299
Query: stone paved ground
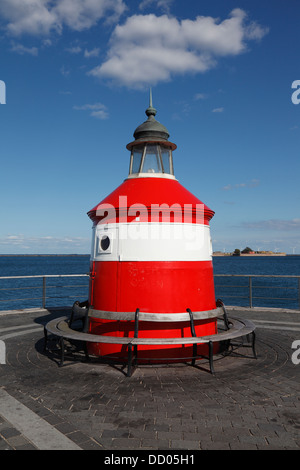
pixel 249 404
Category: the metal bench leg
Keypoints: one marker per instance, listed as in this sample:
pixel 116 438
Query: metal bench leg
pixel 62 347
pixel 129 364
pixel 86 352
pixel 136 334
pixel 253 344
pixel 85 323
pixel 71 318
pixel 194 354
pixel 135 352
pixel 211 356
pixel 193 334
pixel 136 323
pixel 220 303
pixel 45 339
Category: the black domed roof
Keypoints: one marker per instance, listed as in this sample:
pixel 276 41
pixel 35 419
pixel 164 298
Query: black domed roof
pixel 151 128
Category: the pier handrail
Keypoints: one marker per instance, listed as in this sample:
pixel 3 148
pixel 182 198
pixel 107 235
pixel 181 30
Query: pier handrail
pixel 249 295
pixel 251 287
pixel 44 275
pixel 36 276
pixel 256 275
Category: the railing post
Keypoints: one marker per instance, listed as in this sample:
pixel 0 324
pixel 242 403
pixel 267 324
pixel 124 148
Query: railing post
pixel 250 291
pixel 44 292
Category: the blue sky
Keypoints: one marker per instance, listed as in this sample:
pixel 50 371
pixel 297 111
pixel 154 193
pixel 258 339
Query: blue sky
pixel 77 76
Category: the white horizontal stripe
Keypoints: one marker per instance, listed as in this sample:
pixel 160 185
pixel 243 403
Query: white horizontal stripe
pixel 152 242
pixel 20 327
pixel 278 322
pixel 37 430
pixel 19 333
pixel 281 327
pixel 151 175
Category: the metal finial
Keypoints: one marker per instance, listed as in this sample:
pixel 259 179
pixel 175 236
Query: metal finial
pixel 150 111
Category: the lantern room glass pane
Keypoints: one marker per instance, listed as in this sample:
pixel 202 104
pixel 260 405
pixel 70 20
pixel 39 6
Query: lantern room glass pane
pixel 137 154
pixel 151 158
pixel 165 156
pixel 152 163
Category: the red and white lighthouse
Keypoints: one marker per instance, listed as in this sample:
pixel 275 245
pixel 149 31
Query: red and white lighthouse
pixel 151 250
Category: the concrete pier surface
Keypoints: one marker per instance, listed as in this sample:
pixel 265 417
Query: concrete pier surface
pixel 250 404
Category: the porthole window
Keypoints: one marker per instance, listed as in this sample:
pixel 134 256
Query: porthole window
pixel 105 243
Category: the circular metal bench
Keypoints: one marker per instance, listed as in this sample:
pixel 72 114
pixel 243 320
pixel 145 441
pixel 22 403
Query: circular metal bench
pixel 234 328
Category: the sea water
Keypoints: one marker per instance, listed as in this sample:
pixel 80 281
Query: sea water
pixel 270 292
pixel 62 291
pixel 27 293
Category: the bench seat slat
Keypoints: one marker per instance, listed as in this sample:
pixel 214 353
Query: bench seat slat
pixel 157 317
pixel 238 328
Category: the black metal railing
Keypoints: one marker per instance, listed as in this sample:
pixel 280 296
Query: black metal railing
pixel 248 290
pixel 259 290
pixel 35 291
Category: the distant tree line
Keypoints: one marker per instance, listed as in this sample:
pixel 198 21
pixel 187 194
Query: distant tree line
pixel 245 251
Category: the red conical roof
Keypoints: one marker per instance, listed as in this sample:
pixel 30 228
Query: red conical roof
pixel 150 193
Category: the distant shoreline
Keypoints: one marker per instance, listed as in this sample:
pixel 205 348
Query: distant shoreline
pixel 43 255
pixel 229 255
pixel 251 255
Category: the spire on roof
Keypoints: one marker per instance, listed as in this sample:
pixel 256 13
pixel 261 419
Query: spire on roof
pixel 150 111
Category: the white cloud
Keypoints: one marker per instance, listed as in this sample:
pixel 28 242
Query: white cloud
pixel 163 4
pixel 274 224
pixel 45 244
pixel 73 50
pixel 200 96
pixel 20 49
pixel 28 16
pixel 20 239
pixel 92 53
pixel 40 17
pixel 82 14
pixel 64 71
pixel 218 110
pixel 252 184
pixel 148 48
pixel 98 110
pixel 47 42
pixel 254 31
